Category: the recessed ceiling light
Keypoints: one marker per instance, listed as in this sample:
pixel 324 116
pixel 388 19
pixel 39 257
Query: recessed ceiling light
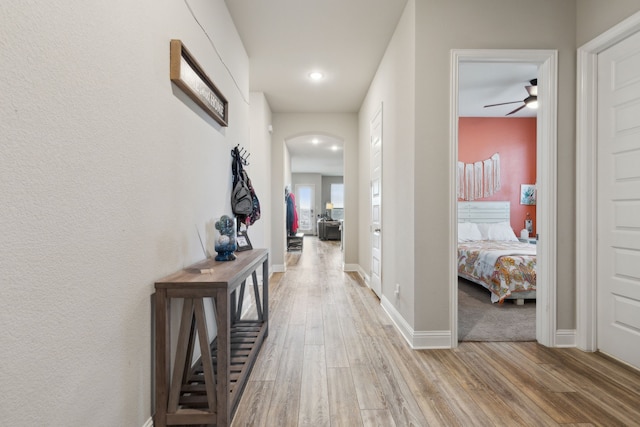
pixel 315 141
pixel 316 75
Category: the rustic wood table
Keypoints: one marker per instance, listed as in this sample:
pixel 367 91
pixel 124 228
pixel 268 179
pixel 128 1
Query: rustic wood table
pixel 208 390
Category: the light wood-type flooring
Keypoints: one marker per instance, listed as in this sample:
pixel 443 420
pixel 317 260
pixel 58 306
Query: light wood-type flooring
pixel 333 358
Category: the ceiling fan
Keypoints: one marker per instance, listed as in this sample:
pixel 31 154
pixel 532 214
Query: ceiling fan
pixel 530 101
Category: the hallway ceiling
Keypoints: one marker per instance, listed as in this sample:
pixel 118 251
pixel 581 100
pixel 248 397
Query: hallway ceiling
pixel 287 39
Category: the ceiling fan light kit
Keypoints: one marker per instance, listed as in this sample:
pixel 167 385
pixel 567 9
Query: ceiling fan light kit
pixel 530 101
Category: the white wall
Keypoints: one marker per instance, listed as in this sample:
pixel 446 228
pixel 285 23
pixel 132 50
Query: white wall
pixel 106 171
pixel 393 87
pixel 594 17
pixel 259 169
pixel 287 125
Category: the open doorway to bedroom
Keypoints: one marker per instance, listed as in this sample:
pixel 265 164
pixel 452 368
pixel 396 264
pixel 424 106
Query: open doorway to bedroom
pixel 497 142
pixel 496 201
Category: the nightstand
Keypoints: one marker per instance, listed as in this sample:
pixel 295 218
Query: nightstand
pixel 531 240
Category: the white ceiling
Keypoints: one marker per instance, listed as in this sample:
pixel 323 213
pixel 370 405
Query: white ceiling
pixel 345 40
pixel 316 154
pixel 481 84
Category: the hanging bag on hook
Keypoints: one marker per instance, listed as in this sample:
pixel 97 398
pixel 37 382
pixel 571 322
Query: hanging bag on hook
pixel 255 203
pixel 241 199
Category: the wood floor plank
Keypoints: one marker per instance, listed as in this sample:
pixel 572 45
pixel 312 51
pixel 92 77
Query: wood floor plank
pixel 267 362
pixel 377 418
pixel 314 327
pixel 254 407
pixel 422 381
pixel 490 407
pixel 604 398
pixel 367 387
pixel 343 403
pixel 356 351
pixel 507 392
pixel 622 375
pixel 400 401
pixel 559 406
pixel 314 396
pixel 333 338
pixel 285 400
pixel 543 376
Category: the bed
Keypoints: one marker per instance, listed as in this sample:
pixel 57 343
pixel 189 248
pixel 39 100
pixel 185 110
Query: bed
pixel 490 254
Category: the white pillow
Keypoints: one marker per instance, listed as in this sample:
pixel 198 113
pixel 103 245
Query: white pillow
pixel 468 231
pixel 484 229
pixel 501 231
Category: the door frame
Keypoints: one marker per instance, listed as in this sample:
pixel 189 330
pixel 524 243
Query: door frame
pixel 586 179
pixel 546 209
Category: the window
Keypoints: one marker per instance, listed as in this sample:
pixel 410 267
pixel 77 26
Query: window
pixel 337 199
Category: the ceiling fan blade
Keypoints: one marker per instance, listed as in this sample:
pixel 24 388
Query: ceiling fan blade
pixel 503 103
pixel 516 110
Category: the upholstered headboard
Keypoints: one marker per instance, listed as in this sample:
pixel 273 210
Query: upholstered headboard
pixel 482 212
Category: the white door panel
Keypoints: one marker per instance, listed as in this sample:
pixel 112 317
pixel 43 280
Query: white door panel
pixel 376 202
pixel 618 250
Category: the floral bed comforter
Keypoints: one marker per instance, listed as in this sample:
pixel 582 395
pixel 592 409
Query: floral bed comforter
pixel 503 267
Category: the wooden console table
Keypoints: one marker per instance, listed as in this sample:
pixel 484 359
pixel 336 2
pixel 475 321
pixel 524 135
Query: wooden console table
pixel 208 391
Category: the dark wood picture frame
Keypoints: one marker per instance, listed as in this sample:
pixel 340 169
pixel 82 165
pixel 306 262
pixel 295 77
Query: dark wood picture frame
pixel 189 76
pixel 243 242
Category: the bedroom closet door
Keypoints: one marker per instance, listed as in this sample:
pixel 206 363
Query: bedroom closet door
pixel 618 193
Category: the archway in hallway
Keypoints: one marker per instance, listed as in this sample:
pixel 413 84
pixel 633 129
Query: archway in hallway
pixel 317 182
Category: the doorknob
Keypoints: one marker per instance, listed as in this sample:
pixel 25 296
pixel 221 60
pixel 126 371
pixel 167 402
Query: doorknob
pixel 376 230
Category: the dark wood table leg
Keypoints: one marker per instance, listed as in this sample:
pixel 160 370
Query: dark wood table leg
pixel 224 356
pixel 163 357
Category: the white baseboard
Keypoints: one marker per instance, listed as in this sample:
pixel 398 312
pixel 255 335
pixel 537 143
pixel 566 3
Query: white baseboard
pixel 364 276
pixel 566 338
pixel 149 423
pixel 418 340
pixel 278 268
pixel 351 267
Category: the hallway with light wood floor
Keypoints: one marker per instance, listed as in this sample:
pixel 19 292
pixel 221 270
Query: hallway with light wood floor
pixel 333 358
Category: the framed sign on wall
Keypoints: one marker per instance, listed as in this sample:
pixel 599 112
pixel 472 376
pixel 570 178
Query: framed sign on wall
pixel 189 76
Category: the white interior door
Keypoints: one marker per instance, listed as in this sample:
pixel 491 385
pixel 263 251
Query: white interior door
pixel 376 202
pixel 305 200
pixel 618 193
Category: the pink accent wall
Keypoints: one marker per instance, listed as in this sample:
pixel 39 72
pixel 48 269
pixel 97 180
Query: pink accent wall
pixel 515 140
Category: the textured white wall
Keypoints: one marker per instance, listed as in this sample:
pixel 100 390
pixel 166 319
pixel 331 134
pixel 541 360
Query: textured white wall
pixel 106 170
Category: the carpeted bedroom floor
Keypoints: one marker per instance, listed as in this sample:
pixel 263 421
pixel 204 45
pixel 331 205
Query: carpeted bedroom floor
pixel 480 320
